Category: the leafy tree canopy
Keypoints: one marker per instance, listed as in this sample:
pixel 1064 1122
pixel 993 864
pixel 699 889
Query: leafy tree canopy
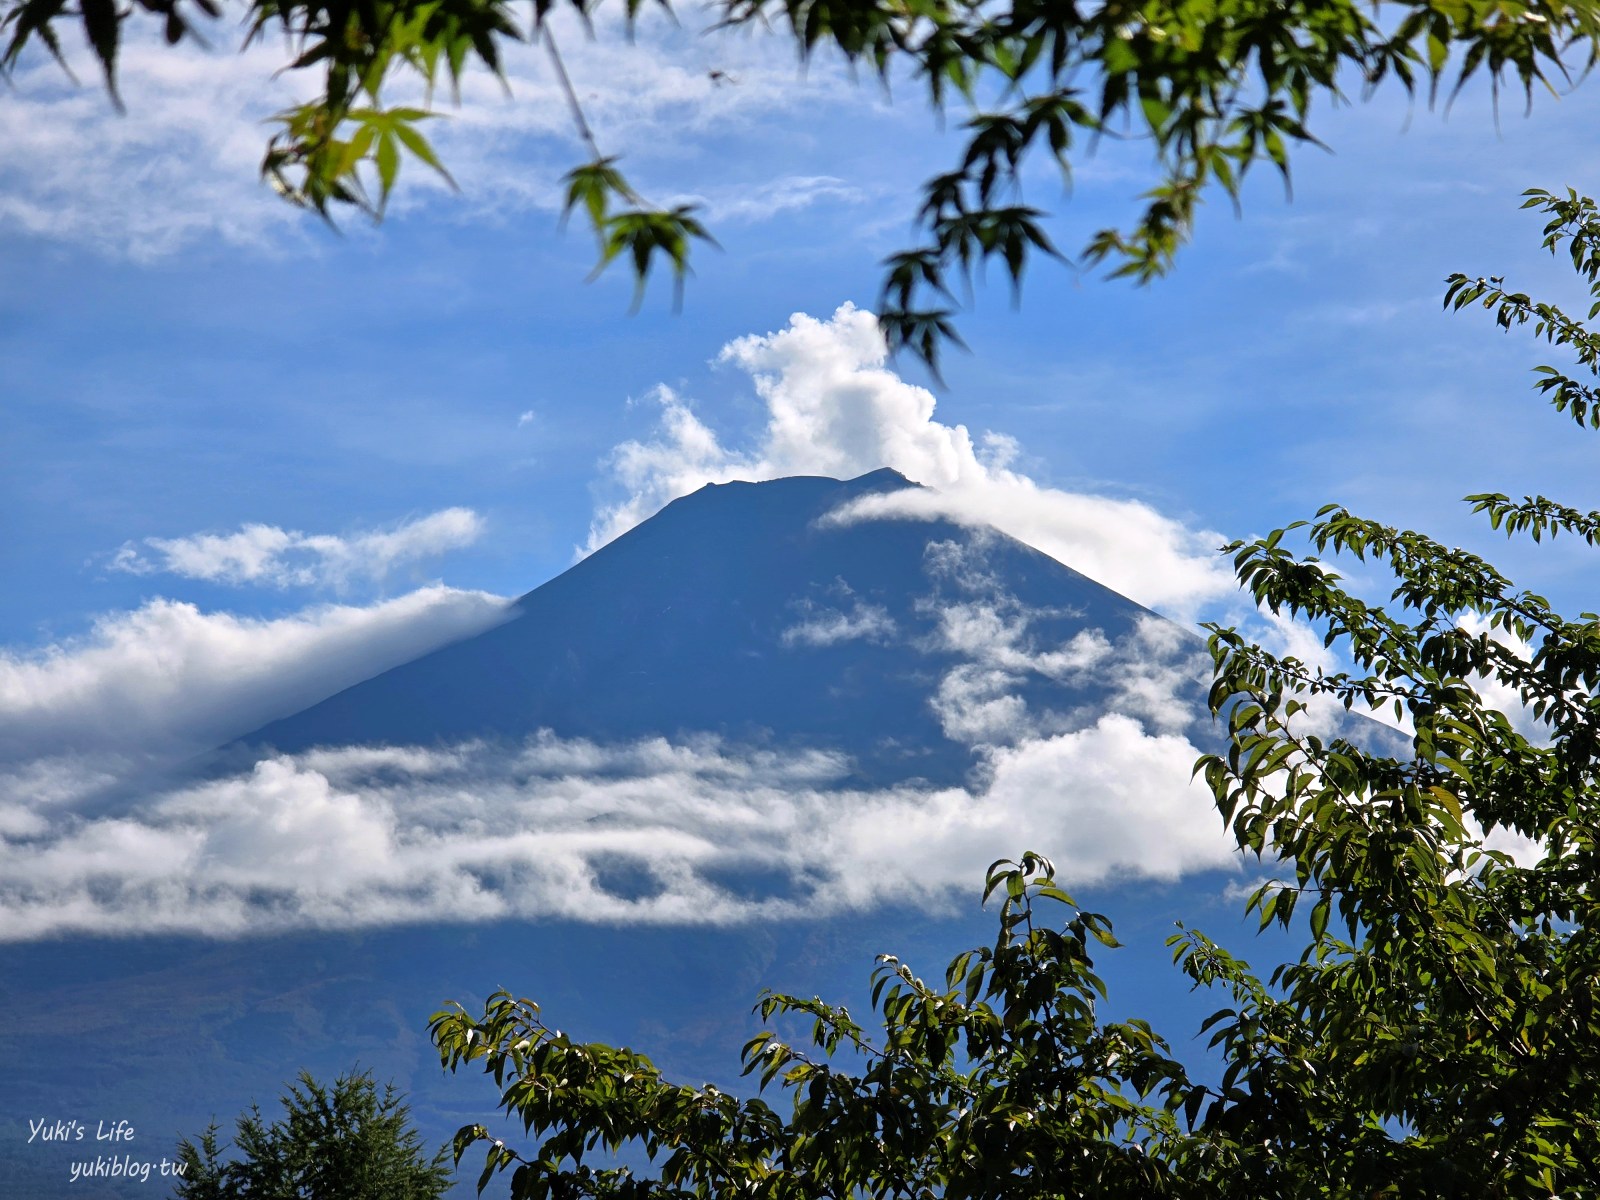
pixel 344 1142
pixel 1438 1035
pixel 1214 87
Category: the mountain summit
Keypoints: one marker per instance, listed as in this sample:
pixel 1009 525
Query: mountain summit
pixel 762 613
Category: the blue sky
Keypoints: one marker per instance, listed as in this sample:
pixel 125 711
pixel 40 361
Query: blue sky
pixel 247 461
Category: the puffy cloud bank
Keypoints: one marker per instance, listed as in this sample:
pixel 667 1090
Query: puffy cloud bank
pixel 644 832
pixel 834 408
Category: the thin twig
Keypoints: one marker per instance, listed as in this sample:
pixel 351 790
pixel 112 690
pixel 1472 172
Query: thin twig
pixel 572 97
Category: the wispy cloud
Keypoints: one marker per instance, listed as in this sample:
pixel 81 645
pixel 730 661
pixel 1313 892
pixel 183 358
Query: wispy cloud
pixel 182 167
pixel 791 194
pixel 829 622
pixel 833 407
pixel 265 554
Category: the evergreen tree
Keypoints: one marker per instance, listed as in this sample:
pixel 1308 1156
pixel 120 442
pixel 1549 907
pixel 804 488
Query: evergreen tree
pixel 344 1142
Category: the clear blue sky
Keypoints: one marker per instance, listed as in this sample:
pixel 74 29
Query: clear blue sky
pixel 242 454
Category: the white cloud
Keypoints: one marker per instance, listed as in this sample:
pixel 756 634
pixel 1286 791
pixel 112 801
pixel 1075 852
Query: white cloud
pixel 790 194
pixel 834 408
pixel 977 705
pixel 830 626
pixel 827 625
pixel 375 835
pixel 1124 544
pixel 265 554
pixel 654 98
pixel 168 679
pixel 1496 693
pixel 1149 671
pixel 1153 674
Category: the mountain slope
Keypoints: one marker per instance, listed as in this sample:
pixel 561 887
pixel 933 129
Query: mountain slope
pixel 740 611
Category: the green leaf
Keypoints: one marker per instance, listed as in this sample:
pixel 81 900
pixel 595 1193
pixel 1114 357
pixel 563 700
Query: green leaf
pixel 103 26
pixel 387 160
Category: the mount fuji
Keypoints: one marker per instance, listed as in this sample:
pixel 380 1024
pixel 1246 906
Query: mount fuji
pixel 756 740
pixel 763 613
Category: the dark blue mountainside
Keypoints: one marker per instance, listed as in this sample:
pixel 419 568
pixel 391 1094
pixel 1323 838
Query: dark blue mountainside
pixel 737 610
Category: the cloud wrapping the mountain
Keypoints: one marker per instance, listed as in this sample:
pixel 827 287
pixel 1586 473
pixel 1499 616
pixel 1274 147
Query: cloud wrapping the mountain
pixel 367 836
pixel 833 408
pixel 1109 801
pixel 169 679
pixel 265 554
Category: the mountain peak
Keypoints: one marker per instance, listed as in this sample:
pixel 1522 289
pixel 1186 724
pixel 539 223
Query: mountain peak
pixel 883 476
pixel 884 479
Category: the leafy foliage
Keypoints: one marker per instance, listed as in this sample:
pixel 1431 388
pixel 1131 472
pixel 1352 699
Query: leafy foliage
pixel 1004 1072
pixel 1438 1035
pixel 346 1142
pixel 1213 87
pixel 1447 994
